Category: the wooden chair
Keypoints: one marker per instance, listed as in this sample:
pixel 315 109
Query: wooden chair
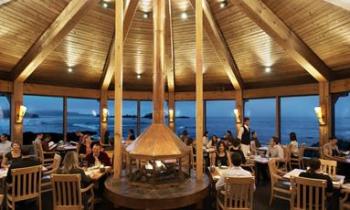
pixel 280 187
pixel 46 158
pixel 25 185
pixel 297 161
pixel 237 194
pixel 46 180
pixel 344 203
pixel 329 167
pixel 1 200
pixel 67 193
pixel 308 193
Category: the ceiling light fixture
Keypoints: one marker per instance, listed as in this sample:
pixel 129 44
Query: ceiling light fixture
pixel 145 15
pixel 105 5
pixel 138 76
pixel 267 69
pixel 223 4
pixel 184 16
pixel 70 70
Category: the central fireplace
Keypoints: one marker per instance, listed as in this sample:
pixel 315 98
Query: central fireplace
pixel 158 157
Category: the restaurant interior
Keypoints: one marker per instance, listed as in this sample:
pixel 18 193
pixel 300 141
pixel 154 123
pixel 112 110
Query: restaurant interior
pixel 231 53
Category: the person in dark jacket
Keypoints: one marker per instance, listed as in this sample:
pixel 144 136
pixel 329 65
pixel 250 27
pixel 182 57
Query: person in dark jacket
pixel 98 157
pixel 237 149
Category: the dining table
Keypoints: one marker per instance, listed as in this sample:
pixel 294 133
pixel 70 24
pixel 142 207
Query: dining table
pixel 97 172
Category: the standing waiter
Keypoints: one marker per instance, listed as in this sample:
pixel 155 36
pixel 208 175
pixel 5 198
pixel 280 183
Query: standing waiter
pixel 244 136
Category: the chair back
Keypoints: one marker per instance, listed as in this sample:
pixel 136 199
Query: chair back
pixel 66 192
pixel 329 167
pixel 273 171
pixel 238 194
pixel 308 193
pixel 26 183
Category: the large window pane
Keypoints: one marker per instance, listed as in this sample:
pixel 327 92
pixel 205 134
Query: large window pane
pixel 129 117
pixel 83 115
pixel 262 113
pixel 342 118
pixel 5 114
pixel 185 112
pixel 44 115
pixel 298 115
pixel 220 117
pixel 146 114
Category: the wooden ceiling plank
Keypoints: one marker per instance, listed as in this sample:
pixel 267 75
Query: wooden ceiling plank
pixel 51 38
pixel 169 57
pixel 108 71
pixel 345 4
pixel 279 31
pixel 216 37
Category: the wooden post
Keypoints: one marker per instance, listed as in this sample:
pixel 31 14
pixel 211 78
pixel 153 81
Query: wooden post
pixel 240 108
pixel 65 124
pixel 103 105
pixel 199 88
pixel 326 108
pixel 118 87
pixel 16 102
pixel 278 117
pixel 158 60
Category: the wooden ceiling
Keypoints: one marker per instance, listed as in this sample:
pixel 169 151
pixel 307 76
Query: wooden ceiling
pixel 322 26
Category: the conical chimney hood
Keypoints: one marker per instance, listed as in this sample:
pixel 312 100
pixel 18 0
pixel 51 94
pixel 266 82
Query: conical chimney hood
pixel 158 141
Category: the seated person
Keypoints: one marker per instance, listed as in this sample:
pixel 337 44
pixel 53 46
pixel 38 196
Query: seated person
pixel 331 151
pixel 275 150
pixel 98 157
pixel 213 142
pixel 131 137
pixel 13 155
pixel 205 139
pixel 254 143
pixel 71 166
pixel 293 145
pixel 85 145
pixel 235 171
pixel 222 156
pixel 314 172
pixel 24 162
pixel 236 148
pixel 39 138
pixel 5 145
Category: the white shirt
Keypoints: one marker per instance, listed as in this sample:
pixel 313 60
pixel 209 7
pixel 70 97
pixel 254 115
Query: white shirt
pixel 241 131
pixel 294 148
pixel 5 147
pixel 277 152
pixel 205 141
pixel 232 172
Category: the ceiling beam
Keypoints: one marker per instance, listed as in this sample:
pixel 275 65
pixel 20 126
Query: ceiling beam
pixel 169 52
pixel 108 70
pixel 279 31
pixel 51 38
pixel 345 4
pixel 223 51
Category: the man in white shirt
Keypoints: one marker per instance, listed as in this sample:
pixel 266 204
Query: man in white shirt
pixel 244 136
pixel 276 150
pixel 5 145
pixel 235 171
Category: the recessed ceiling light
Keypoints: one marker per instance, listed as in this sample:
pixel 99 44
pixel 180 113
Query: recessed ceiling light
pixel 267 69
pixel 223 4
pixel 184 16
pixel 138 76
pixel 70 70
pixel 145 15
pixel 105 5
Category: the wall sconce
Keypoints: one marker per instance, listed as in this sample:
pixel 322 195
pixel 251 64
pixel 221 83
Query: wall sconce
pixel 238 115
pixel 104 115
pixel 171 115
pixel 21 111
pixel 319 115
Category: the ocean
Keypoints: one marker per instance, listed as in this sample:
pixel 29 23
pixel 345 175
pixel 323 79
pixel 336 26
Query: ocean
pixel 305 128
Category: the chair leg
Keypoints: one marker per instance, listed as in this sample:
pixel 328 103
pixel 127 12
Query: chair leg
pixel 271 197
pixel 39 203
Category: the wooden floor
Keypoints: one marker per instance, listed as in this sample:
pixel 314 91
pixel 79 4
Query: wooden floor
pixel 261 199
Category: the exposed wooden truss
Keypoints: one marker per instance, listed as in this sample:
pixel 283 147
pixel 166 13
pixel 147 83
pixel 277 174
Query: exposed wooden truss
pixel 285 37
pixel 169 52
pixel 216 37
pixel 51 38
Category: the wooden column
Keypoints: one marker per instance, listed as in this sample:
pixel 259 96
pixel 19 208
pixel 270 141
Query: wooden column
pixel 103 105
pixel 240 108
pixel 158 60
pixel 16 102
pixel 326 107
pixel 65 123
pixel 278 117
pixel 118 88
pixel 199 87
pixel 171 106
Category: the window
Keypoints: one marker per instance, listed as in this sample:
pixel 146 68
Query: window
pixel 129 117
pixel 185 112
pixel 146 109
pixel 220 117
pixel 262 114
pixel 298 115
pixel 44 115
pixel 5 114
pixel 83 115
pixel 342 117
